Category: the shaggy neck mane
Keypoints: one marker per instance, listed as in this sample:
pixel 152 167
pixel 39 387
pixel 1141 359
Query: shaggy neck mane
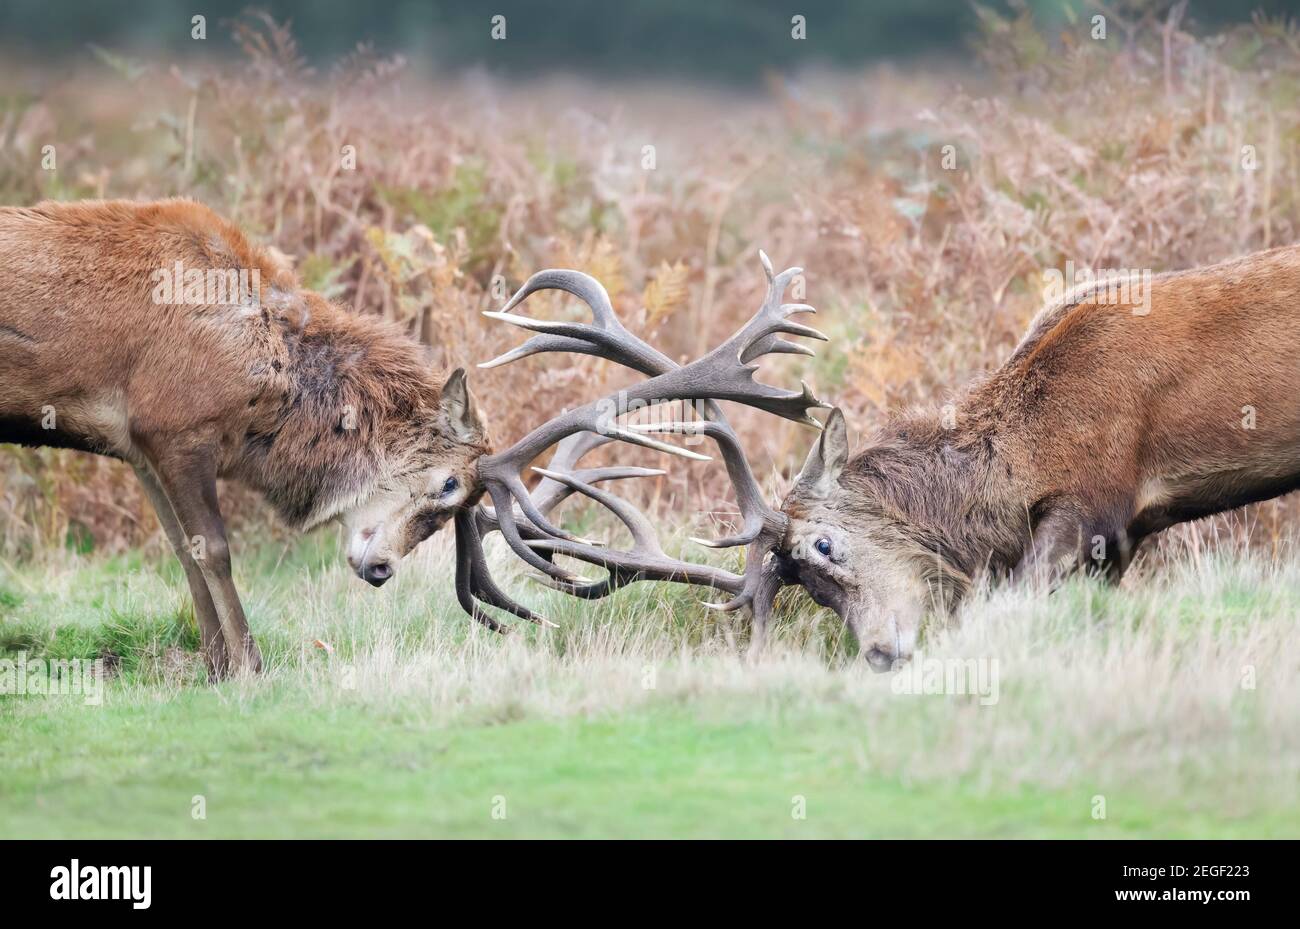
pixel 359 399
pixel 945 488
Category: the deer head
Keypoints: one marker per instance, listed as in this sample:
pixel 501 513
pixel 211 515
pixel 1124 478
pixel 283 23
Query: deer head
pixel 432 475
pixel 854 550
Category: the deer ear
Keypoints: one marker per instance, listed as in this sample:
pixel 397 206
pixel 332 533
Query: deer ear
pixel 456 409
pixel 826 459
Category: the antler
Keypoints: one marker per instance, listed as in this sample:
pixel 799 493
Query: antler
pixel 726 373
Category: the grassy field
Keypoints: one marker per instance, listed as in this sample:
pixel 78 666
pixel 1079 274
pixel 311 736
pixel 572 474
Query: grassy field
pixel 1175 700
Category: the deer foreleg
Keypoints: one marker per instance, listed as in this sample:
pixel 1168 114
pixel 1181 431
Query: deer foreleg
pixel 1053 551
pixel 210 635
pixel 189 481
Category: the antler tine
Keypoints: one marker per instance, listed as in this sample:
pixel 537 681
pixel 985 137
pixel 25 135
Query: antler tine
pixel 756 514
pixel 643 532
pixel 604 337
pixel 640 563
pixel 470 573
pixel 573 449
pixel 538 344
pixel 763 582
pixel 583 286
pixel 726 373
pixel 646 559
pixel 782 347
pixel 593 591
pixel 548 494
pixel 759 337
pixel 534 507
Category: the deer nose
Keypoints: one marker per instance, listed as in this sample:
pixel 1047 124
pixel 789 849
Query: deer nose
pixel 376 574
pixel 880 657
pixel 786 567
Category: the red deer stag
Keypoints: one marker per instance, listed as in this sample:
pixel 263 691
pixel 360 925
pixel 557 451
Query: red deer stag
pixel 157 334
pixel 1111 420
pixel 1114 418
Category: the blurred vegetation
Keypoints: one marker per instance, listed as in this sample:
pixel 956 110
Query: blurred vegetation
pixel 925 203
pixel 731 40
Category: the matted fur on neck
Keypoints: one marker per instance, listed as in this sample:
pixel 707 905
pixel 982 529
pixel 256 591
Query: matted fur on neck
pixel 359 405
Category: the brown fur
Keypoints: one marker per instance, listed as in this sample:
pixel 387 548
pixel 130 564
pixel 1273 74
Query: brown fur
pixel 1103 427
pixel 317 408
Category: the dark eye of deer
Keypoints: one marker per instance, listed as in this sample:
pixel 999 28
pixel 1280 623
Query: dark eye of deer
pixel 450 486
pixel 823 547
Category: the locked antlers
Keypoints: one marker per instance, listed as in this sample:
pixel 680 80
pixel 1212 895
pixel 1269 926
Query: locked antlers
pixel 725 373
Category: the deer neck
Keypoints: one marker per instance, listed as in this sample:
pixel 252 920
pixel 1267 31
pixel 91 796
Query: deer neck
pixel 356 396
pixel 952 485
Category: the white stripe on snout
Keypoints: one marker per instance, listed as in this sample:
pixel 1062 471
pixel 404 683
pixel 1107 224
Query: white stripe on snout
pixel 358 538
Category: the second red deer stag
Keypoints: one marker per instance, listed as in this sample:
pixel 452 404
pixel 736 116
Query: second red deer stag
pixel 1114 418
pixel 157 334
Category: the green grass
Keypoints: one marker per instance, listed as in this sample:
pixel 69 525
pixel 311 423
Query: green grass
pixel 275 769
pixel 637 718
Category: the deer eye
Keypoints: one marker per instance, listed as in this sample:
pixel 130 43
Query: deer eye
pixel 823 547
pixel 450 486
